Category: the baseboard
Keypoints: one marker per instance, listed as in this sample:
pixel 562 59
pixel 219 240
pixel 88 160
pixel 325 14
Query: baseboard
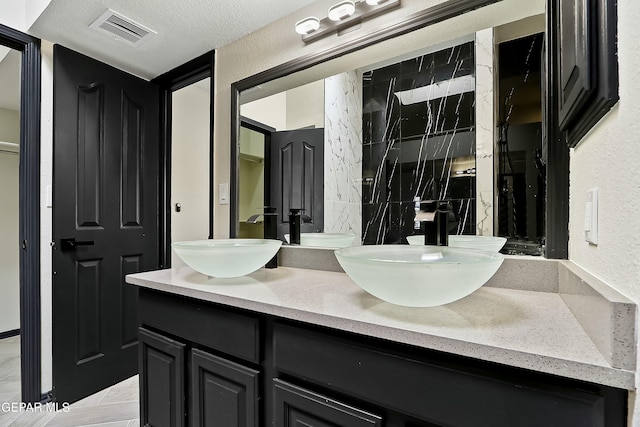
pixel 9 334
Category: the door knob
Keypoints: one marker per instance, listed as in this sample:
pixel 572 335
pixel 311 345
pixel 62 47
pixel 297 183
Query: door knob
pixel 72 244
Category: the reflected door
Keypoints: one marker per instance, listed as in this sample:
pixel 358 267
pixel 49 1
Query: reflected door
pixel 297 177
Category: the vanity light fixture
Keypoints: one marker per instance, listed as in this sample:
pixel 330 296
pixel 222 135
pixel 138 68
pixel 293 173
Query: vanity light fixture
pixel 342 10
pixel 342 16
pixel 307 25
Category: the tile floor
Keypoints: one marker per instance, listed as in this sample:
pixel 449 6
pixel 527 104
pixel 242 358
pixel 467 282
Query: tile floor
pixel 115 406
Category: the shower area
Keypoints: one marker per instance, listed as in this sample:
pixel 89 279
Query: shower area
pixel 419 142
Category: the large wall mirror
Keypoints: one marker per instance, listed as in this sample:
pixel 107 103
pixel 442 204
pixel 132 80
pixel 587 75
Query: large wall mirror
pixel 458 117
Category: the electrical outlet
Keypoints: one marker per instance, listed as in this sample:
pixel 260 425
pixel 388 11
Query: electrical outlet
pixel 591 217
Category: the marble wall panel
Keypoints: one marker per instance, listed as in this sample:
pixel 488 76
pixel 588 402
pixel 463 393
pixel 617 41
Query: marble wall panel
pixel 343 154
pixel 485 131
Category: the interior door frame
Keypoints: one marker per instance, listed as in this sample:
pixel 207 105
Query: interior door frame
pixel 266 131
pixel 191 72
pixel 29 207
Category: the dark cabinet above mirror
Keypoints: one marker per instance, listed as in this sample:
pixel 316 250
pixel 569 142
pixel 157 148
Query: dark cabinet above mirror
pixel 584 43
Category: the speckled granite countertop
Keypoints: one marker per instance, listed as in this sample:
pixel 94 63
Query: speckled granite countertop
pixel 526 329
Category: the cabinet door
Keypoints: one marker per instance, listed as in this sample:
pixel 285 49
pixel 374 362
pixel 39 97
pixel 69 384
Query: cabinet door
pixel 576 67
pixel 223 393
pixel 296 406
pixel 161 380
pixel 583 65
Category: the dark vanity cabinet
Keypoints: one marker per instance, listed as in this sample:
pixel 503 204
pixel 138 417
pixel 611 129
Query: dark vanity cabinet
pixel 199 365
pixel 204 364
pixel 297 406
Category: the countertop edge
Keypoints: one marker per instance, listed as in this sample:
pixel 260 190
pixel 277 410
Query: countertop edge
pixel 604 375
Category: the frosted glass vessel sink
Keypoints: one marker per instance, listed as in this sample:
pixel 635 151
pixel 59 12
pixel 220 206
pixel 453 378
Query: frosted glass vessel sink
pixel 418 276
pixel 485 243
pixel 327 240
pixel 226 257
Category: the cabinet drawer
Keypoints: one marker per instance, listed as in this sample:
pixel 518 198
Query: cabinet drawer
pixel 296 406
pixel 431 388
pixel 204 323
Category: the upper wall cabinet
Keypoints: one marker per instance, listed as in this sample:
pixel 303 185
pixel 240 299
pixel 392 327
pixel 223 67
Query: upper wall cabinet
pixel 587 64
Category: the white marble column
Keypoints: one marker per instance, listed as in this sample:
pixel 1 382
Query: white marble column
pixel 485 132
pixel 343 154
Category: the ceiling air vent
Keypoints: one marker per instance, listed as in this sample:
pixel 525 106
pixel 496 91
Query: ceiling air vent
pixel 122 28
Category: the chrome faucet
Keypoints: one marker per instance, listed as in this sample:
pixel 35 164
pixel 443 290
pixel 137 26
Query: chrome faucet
pixel 434 215
pixel 295 222
pixel 270 229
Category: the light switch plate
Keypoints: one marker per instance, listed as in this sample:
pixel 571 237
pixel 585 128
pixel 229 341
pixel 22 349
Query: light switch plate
pixel 49 196
pixel 223 193
pixel 591 217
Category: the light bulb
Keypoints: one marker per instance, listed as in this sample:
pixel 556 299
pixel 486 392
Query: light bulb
pixel 307 25
pixel 342 10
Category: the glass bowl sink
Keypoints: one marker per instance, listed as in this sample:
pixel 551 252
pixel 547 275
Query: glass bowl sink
pixel 418 276
pixel 226 257
pixel 485 243
pixel 327 240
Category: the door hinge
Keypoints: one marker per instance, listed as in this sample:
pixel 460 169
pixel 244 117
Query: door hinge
pixel 24 245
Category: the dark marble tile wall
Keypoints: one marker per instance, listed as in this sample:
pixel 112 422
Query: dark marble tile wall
pixel 409 150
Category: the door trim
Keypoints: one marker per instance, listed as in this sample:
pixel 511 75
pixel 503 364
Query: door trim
pixel 266 131
pixel 191 72
pixel 29 206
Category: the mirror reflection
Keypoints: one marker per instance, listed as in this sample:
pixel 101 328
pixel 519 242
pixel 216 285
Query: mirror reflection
pixel 402 132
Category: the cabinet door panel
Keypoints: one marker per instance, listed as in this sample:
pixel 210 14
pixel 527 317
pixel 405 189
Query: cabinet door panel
pixel 161 380
pixel 296 406
pixel 223 393
pixel 576 68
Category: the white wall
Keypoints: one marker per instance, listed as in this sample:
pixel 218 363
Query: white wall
pixel 9 126
pixel 46 218
pixel 608 159
pixel 296 108
pixel 10 247
pixel 305 106
pixel 190 175
pixel 21 14
pixel 270 111
pixel 13 14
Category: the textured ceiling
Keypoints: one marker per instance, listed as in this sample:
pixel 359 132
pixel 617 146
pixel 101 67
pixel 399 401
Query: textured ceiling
pixel 186 28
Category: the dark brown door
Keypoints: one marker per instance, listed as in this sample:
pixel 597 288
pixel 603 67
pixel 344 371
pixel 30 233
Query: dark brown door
pixel 296 170
pixel 105 219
